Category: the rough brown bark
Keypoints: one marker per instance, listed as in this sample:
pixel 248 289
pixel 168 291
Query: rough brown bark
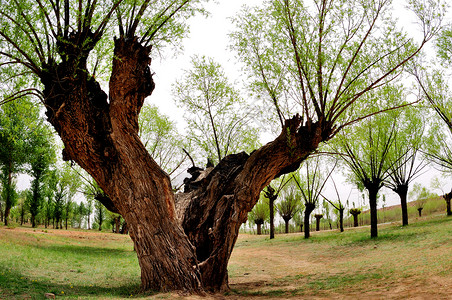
pixel 212 214
pixel 102 137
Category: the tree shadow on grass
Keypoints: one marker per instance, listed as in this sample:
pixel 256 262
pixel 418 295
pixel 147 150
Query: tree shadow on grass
pixel 85 250
pixel 14 285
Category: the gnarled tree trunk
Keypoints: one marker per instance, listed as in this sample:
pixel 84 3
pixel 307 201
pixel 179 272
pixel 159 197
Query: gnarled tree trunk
pixel 102 137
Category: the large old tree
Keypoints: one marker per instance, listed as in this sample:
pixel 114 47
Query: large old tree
pixel 313 63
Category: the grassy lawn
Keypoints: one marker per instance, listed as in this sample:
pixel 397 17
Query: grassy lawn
pixel 415 261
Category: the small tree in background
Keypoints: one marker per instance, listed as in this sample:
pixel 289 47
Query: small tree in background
pixel 272 194
pixel 298 217
pixel 259 214
pixel 339 206
pixel 100 213
pixel 289 206
pixel 219 121
pixel 311 187
pixel 355 212
pixel 421 195
pixel 317 217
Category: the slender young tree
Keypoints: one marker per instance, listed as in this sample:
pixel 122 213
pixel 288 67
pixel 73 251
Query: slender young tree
pixel 100 214
pixel 17 122
pixel 338 205
pixel 311 187
pixel 289 206
pixel 405 163
pixel 272 195
pixel 259 215
pixel 333 54
pixel 41 157
pixel 219 121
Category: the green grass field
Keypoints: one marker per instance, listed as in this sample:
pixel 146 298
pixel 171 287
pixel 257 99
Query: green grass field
pixel 414 261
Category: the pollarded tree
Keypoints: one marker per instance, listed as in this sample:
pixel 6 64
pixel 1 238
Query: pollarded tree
pixel 421 195
pixel 311 184
pixel 355 212
pixel 272 194
pixel 259 215
pixel 339 206
pixel 366 149
pixel 435 86
pixel 332 55
pixel 405 163
pixel 289 206
pixel 298 217
pixel 218 119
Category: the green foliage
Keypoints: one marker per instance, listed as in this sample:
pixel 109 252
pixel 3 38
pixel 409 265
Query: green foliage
pixel 444 46
pixel 260 212
pixel 42 156
pixel 219 121
pixel 21 133
pixel 290 204
pixel 370 148
pixel 311 179
pixel 421 194
pixel 36 35
pixel 160 137
pixel 320 59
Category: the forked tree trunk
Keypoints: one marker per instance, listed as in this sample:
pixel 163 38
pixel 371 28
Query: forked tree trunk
pixel 317 221
pixel 402 191
pixel 286 225
pixel 309 208
pixel 102 137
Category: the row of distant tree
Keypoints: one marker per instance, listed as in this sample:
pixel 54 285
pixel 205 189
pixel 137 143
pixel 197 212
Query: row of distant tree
pixel 291 205
pixel 382 150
